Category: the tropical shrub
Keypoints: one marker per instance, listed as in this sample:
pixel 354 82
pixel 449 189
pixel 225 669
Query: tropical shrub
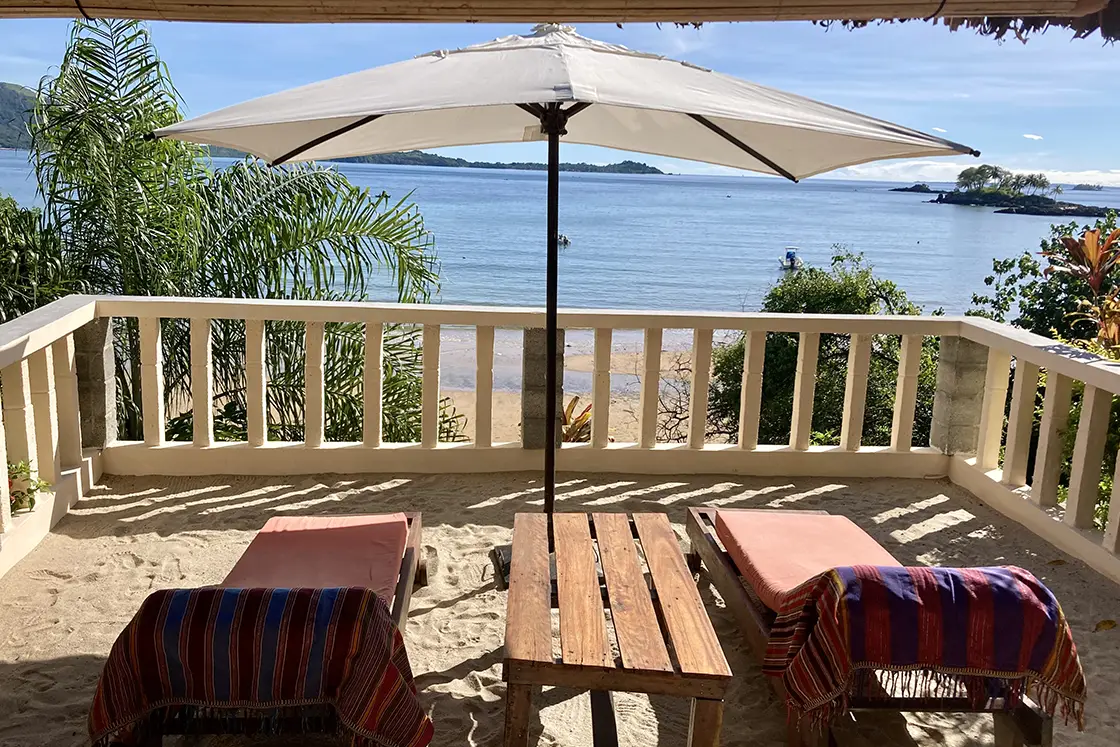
pixel 135 216
pixel 848 286
pixel 23 485
pixel 31 261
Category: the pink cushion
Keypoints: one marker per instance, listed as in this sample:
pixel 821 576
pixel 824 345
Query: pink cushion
pixel 777 551
pixel 325 551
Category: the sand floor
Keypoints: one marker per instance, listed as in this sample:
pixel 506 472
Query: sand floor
pixel 62 607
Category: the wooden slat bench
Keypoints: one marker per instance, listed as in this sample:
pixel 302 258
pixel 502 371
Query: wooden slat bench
pixel 665 641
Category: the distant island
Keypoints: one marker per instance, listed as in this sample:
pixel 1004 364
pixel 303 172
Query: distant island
pixel 919 188
pixel 420 158
pixel 1087 187
pixel 16 105
pixel 1013 194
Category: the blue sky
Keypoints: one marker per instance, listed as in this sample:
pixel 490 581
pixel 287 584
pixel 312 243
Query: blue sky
pixel 1064 93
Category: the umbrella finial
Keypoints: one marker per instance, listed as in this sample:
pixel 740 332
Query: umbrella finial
pixel 544 29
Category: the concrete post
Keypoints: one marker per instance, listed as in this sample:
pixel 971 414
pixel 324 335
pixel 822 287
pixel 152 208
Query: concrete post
pixel 958 404
pixel 533 391
pixel 95 362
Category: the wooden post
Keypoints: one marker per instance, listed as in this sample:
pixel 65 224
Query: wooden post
pixel 484 387
pixel 906 393
pixel 69 418
pixel 601 389
pixel 804 387
pixel 44 402
pixel 1051 439
pixel 1088 452
pixel 372 371
pixel 19 416
pixel 429 407
pixel 1019 424
pixel 315 417
pixel 992 409
pixel 705 723
pixel 202 382
pixel 151 380
pixel 750 395
pixel 256 382
pixel 698 398
pixel 651 389
pixel 855 392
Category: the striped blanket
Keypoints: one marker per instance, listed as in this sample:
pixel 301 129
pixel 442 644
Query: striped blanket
pixel 272 655
pixel 978 633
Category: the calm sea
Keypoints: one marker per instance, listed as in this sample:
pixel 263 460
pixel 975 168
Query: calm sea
pixel 680 242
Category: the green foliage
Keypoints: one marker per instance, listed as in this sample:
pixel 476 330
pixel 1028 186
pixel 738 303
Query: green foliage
pixel 999 179
pixel 151 217
pixel 23 485
pixel 31 261
pixel 849 286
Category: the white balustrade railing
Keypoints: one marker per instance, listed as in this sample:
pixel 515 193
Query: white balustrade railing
pixel 980 440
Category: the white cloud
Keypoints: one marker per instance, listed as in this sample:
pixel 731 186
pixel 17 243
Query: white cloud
pixel 938 129
pixel 1033 137
pixel 946 170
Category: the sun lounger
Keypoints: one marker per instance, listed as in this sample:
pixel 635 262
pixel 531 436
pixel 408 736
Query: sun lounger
pixel 764 561
pixel 302 636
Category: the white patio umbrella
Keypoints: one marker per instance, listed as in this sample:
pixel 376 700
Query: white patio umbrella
pixel 550 85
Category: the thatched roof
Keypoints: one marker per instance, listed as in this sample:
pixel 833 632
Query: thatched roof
pixel 999 18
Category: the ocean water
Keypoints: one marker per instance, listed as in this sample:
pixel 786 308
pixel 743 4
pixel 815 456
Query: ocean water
pixel 679 242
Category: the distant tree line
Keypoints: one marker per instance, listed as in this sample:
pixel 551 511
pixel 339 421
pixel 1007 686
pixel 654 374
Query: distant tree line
pixel 999 179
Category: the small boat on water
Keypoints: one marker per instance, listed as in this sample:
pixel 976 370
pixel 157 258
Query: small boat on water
pixel 791 261
pixel 563 240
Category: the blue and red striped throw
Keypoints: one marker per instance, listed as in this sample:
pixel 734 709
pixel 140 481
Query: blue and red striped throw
pixel 278 653
pixel 977 633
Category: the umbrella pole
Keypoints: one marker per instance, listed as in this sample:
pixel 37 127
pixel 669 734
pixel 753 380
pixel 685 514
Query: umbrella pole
pixel 551 332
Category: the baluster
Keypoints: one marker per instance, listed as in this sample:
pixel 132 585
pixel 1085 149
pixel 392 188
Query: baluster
pixel 804 387
pixel 651 388
pixel 69 416
pixel 5 494
pixel 601 389
pixel 483 386
pixel 19 417
pixel 371 385
pixel 256 384
pixel 1051 439
pixel 855 392
pixel 750 396
pixel 429 405
pixel 1019 424
pixel 151 380
pixel 313 385
pixel 698 397
pixel 1088 452
pixel 1112 531
pixel 992 409
pixel 44 403
pixel 906 393
pixel 202 382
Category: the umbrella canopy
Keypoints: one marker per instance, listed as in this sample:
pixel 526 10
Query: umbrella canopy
pixel 631 101
pixel 552 84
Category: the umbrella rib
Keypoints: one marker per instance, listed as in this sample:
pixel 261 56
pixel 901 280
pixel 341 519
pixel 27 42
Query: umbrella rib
pixel 324 138
pixel 741 145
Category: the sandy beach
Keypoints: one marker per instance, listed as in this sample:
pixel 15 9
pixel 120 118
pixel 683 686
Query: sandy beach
pixel 63 606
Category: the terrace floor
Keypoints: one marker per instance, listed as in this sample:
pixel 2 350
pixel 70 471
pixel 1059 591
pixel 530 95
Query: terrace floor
pixel 62 607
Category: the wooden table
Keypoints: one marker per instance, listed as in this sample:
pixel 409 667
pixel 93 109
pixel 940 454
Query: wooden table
pixel 665 641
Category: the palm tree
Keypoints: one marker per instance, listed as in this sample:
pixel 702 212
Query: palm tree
pixel 143 217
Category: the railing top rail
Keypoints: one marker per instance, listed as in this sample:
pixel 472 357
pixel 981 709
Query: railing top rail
pixel 37 329
pixel 1052 355
pixel 513 316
